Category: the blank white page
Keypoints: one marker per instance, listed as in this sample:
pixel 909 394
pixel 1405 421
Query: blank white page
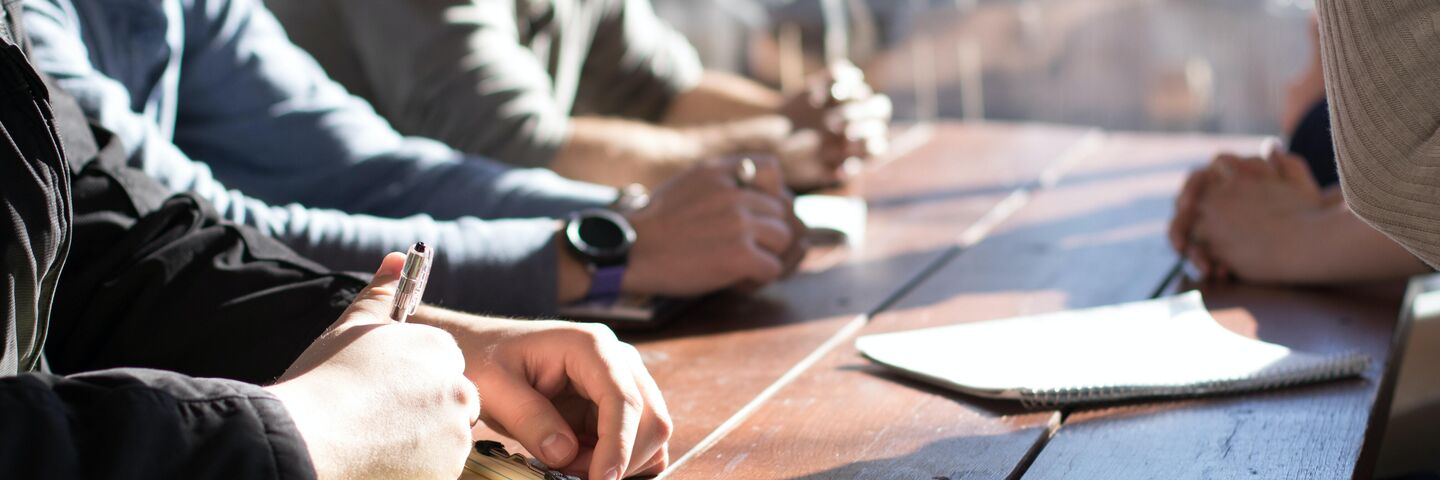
pixel 1164 347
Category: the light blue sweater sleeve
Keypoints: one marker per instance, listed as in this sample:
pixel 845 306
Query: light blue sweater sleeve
pixel 304 161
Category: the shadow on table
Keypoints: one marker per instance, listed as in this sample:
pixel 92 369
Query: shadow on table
pixel 1101 240
pixel 839 292
pixel 1098 257
pixel 988 406
pixel 976 456
pixel 898 201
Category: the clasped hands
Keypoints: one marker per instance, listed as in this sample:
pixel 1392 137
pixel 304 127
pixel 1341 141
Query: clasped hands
pixel 838 117
pixel 1250 217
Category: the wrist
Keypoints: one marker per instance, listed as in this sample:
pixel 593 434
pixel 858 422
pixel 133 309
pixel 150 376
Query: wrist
pixel 1297 260
pixel 297 401
pixel 708 141
pixel 638 278
pixel 600 240
pixel 572 279
pixel 666 153
pixel 757 134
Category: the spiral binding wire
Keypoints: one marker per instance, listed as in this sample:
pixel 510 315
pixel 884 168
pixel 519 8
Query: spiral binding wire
pixel 1339 366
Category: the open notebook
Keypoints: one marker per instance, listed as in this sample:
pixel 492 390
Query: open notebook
pixel 1169 347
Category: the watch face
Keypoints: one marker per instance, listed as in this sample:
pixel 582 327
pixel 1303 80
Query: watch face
pixel 601 233
pixel 602 236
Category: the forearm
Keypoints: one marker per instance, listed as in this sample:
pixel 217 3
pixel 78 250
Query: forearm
pixel 573 278
pixel 333 151
pixel 436 182
pixel 618 152
pixel 723 97
pixel 1342 249
pixel 503 267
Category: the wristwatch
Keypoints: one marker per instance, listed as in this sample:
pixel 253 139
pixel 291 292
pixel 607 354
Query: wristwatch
pixel 602 239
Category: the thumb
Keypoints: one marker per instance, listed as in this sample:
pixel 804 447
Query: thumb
pixel 375 301
pixel 530 418
pixel 389 272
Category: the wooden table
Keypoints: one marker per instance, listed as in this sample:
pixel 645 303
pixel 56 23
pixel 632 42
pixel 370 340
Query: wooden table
pixel 984 221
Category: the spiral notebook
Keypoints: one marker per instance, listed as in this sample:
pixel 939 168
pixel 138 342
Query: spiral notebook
pixel 1168 347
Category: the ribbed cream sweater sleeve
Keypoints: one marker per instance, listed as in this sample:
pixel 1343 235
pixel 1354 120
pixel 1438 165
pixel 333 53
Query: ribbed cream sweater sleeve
pixel 1382 75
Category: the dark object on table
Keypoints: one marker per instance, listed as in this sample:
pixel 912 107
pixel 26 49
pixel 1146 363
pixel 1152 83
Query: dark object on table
pixel 490 461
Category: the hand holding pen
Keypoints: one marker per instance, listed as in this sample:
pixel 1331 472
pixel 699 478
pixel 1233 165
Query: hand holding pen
pixel 335 390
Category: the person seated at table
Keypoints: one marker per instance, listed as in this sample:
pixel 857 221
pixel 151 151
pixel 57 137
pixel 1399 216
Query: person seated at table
pixel 1386 115
pixel 202 93
pixel 1382 76
pixel 601 91
pixel 1280 218
pixel 145 337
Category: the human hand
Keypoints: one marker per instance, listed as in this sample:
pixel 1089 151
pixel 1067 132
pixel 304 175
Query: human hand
pixel 1248 217
pixel 377 399
pixel 1187 211
pixel 799 151
pixel 673 150
pixel 701 232
pixel 847 119
pixel 575 397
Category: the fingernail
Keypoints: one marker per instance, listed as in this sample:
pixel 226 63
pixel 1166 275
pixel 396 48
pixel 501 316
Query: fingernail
pixel 613 474
pixel 556 447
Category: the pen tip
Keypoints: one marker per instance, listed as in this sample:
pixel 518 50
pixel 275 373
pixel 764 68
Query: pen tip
pixel 420 247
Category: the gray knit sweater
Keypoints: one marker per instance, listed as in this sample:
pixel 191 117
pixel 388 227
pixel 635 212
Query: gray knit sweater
pixel 1382 75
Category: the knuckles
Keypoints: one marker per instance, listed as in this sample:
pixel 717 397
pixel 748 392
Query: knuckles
pixel 629 397
pixel 664 428
pixel 463 393
pixel 430 345
pixel 592 335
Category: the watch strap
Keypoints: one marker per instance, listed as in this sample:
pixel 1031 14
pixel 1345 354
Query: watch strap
pixel 605 283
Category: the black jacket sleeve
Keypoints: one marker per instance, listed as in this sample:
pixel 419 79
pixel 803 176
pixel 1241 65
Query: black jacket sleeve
pixel 161 281
pixel 144 424
pixel 180 291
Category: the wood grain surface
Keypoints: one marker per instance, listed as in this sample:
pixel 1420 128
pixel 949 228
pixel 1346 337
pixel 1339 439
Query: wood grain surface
pixel 720 355
pixel 1316 431
pixel 1095 238
pixel 986 221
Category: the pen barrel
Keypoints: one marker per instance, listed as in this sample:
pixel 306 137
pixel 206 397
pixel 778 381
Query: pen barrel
pixel 416 265
pixel 413 276
pixel 406 299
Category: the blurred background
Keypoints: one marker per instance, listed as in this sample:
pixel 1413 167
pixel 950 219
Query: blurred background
pixel 1161 65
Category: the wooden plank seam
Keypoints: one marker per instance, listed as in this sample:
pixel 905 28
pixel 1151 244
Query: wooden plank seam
pixel 1169 284
pixel 1048 178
